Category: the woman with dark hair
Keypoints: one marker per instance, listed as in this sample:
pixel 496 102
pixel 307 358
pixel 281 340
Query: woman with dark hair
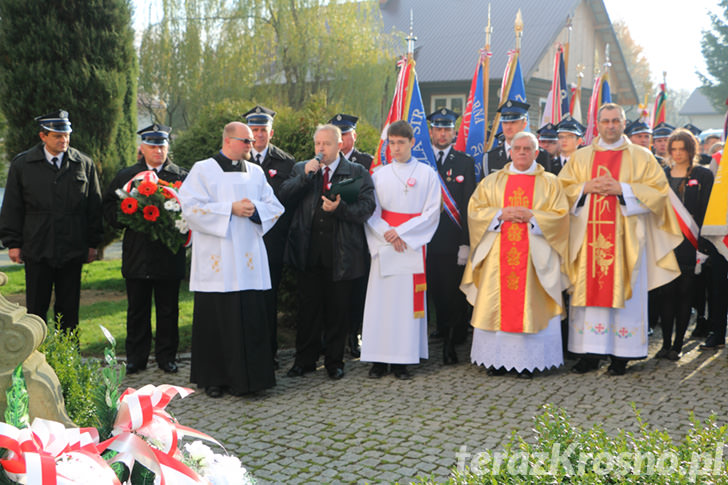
pixel 692 184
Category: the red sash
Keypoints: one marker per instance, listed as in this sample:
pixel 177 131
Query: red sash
pixel 514 254
pixel 601 234
pixel 419 281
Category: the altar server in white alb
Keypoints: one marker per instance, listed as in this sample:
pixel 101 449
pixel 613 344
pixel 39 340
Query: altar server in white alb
pixel 405 219
pixel 229 206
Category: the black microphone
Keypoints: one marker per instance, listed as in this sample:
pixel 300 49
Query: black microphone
pixel 319 157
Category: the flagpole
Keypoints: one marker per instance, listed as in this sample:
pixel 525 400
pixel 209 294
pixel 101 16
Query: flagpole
pixel 518 28
pixel 568 43
pixel 411 39
pixel 485 63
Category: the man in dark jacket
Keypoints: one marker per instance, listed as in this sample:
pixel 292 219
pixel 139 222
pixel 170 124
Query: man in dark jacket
pixel 51 219
pixel 149 267
pixel 514 119
pixel 448 250
pixel 326 244
pixel 277 166
pixel 347 125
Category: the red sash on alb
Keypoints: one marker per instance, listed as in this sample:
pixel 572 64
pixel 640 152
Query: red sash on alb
pixel 514 250
pixel 419 280
pixel 601 234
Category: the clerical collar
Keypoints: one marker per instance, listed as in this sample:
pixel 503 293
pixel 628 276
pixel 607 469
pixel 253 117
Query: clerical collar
pixel 332 167
pixel 228 165
pixel 49 156
pixel 611 146
pixel 254 153
pixel 530 169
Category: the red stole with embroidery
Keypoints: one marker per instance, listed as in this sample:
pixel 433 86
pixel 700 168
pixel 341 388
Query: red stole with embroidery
pixel 514 254
pixel 601 234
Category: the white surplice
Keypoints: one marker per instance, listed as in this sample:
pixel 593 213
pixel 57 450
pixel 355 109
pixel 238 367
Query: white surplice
pixel 390 333
pixel 228 253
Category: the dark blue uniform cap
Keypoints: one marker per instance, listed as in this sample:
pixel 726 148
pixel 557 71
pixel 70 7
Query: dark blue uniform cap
pixel 443 118
pixel 693 129
pixel 155 134
pixel 56 121
pixel 513 110
pixel 570 125
pixel 259 116
pixel 663 130
pixel 346 123
pixel 548 132
pixel 636 127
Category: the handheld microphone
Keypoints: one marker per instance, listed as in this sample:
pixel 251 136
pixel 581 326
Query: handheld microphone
pixel 319 157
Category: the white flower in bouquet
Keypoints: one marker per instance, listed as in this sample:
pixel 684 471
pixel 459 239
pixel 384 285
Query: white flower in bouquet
pixel 172 205
pixel 181 225
pixel 78 468
pixel 157 433
pixel 216 468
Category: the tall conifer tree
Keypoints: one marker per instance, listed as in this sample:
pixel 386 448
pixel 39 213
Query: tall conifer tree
pixel 77 55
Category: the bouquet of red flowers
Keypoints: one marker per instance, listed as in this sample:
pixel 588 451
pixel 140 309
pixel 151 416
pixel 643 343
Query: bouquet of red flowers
pixel 151 206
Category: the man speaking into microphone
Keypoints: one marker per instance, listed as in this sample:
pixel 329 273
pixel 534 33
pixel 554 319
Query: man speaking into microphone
pixel 326 246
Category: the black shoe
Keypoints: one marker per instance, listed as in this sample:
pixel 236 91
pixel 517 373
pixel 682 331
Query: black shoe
pixel 712 343
pixel 234 392
pixel 354 348
pixel 673 355
pixel 298 371
pixel 336 373
pixel 525 374
pixel 618 367
pixel 662 353
pixel 585 365
pixel 400 372
pixel 213 391
pixel 500 371
pixel 378 370
pixel 437 335
pixel 449 356
pixel 133 368
pixel 169 367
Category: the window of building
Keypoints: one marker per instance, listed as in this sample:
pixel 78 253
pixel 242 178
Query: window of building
pixel 455 102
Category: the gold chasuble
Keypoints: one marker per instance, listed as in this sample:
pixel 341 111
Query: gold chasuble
pixel 513 277
pixel 604 244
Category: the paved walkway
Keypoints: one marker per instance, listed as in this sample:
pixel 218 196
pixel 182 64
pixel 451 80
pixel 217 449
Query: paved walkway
pixel 361 430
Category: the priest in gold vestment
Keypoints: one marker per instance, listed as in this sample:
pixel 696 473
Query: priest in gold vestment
pixel 518 220
pixel 622 234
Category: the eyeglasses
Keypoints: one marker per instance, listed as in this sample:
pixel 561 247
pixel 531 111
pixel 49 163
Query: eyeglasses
pixel 249 141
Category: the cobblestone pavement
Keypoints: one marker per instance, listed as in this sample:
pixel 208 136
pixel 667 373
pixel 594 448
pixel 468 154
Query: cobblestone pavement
pixel 359 430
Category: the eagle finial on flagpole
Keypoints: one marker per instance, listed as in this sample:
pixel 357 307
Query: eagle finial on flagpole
pixel 518 27
pixel 607 62
pixel 411 37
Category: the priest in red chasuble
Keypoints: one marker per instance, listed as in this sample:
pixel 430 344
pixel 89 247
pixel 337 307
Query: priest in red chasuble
pixel 622 234
pixel 518 220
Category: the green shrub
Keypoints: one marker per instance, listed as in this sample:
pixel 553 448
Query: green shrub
pixel 78 377
pixel 564 453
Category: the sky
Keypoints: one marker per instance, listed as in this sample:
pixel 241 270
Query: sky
pixel 668 30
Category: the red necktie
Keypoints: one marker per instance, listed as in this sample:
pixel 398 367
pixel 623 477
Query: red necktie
pixel 326 179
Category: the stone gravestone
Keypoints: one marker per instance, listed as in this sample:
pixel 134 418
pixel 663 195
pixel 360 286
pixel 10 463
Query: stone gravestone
pixel 20 335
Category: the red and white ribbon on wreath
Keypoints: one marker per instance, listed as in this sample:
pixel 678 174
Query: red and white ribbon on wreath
pixel 142 413
pixel 35 450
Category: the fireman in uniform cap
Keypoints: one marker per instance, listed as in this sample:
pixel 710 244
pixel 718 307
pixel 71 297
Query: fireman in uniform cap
pixel 659 138
pixel 548 141
pixel 51 219
pixel 277 166
pixel 149 267
pixel 448 250
pixel 513 119
pixel 347 125
pixel 570 133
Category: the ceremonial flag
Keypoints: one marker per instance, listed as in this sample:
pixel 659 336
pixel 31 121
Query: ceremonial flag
pixel 471 138
pixel 600 95
pixel 512 88
pixel 557 102
pixel 715 224
pixel 575 104
pixel 407 105
pixel 644 112
pixel 658 113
